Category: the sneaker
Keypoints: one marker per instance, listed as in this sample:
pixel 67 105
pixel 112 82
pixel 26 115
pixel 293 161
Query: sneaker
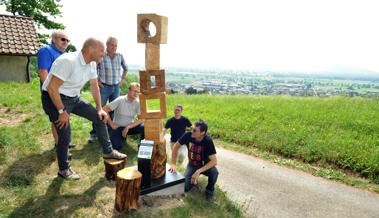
pixel 71 145
pixel 92 138
pixel 115 155
pixel 68 174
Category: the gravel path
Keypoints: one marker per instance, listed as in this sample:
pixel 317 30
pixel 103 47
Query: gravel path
pixel 268 190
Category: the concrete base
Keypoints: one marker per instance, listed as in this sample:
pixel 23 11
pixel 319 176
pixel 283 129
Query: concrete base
pixel 169 184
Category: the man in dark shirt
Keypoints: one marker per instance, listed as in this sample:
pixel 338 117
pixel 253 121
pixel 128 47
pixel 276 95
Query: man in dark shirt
pixel 201 158
pixel 178 124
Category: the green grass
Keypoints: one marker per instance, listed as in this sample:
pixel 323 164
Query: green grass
pixel 29 186
pixel 337 132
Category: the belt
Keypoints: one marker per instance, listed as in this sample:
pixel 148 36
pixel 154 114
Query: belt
pixel 62 95
pixel 104 84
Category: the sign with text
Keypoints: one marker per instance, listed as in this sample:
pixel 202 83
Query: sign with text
pixel 145 152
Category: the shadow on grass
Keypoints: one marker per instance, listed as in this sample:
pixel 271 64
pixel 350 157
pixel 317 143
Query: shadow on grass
pixel 53 204
pixel 23 171
pixel 92 153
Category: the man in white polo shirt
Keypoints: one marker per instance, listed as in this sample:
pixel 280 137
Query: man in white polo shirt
pixel 61 96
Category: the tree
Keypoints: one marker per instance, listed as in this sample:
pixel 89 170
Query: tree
pixel 190 91
pixel 42 12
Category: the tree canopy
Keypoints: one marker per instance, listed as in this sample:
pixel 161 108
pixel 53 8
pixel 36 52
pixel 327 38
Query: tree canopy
pixel 43 12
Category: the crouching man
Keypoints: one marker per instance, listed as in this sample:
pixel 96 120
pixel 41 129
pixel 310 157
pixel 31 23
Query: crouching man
pixel 201 158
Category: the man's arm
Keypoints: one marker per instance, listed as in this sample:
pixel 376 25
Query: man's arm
pixel 96 96
pixel 108 109
pixel 42 73
pixel 53 90
pixel 123 77
pixel 131 126
pixel 125 70
pixel 175 149
pixel 210 164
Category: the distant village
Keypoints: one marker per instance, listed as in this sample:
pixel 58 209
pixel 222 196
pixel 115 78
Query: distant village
pixel 246 83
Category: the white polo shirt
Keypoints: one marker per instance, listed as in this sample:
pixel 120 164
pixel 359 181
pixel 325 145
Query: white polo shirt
pixel 72 69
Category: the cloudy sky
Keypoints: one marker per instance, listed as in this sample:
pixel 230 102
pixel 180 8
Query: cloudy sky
pixel 293 35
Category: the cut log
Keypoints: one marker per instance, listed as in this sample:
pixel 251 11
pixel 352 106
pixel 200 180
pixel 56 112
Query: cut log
pixel 112 166
pixel 158 160
pixel 128 186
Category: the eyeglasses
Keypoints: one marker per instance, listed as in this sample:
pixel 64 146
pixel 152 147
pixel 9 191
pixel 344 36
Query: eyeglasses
pixel 65 40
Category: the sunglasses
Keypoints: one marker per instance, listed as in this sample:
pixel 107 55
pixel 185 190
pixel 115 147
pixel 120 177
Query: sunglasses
pixel 64 39
pixel 195 130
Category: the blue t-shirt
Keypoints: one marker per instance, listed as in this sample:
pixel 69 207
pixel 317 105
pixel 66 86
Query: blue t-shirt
pixel 46 56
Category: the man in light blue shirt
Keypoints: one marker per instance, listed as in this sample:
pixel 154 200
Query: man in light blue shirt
pixel 46 56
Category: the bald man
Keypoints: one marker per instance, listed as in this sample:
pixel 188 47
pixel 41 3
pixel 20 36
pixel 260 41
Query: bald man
pixel 61 97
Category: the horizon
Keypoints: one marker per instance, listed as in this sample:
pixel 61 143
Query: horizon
pixel 290 36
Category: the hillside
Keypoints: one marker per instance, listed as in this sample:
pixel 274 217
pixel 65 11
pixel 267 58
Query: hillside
pixel 339 132
pixel 29 186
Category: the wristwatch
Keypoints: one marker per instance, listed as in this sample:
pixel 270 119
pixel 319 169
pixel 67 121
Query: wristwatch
pixel 60 111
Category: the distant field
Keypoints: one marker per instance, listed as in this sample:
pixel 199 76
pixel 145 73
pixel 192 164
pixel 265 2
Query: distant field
pixel 337 131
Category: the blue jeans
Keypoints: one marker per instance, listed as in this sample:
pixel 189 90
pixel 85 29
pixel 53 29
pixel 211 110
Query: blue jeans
pixel 108 92
pixel 82 108
pixel 212 175
pixel 116 135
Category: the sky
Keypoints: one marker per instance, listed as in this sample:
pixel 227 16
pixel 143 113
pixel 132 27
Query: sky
pixel 288 35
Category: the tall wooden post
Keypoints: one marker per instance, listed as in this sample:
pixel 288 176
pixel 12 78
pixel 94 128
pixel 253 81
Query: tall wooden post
pixel 152 81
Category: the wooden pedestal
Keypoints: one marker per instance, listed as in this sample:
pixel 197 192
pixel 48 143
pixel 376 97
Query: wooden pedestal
pixel 112 166
pixel 158 160
pixel 128 186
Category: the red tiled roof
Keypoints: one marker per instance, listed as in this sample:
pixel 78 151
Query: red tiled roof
pixel 18 36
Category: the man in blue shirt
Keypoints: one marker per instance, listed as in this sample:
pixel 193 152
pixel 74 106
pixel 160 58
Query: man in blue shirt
pixel 111 72
pixel 46 56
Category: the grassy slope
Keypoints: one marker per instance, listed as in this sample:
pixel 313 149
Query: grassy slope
pixel 335 131
pixel 28 183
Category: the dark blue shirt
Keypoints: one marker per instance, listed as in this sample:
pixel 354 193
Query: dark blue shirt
pixel 46 56
pixel 177 126
pixel 198 152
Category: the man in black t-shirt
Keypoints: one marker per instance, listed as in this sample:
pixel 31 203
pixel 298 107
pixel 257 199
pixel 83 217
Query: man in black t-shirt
pixel 201 158
pixel 178 124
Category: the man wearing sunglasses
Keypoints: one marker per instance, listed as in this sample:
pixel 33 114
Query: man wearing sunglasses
pixel 201 158
pixel 46 56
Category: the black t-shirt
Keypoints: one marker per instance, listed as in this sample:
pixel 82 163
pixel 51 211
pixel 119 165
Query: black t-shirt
pixel 198 152
pixel 177 126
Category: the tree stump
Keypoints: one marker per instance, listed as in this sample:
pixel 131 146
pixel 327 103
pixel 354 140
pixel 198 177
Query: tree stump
pixel 112 166
pixel 158 160
pixel 128 185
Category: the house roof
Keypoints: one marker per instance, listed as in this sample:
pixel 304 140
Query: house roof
pixel 18 36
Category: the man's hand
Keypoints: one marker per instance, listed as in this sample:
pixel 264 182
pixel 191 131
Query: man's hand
pixel 100 84
pixel 172 168
pixel 125 132
pixel 113 125
pixel 195 176
pixel 63 120
pixel 103 115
